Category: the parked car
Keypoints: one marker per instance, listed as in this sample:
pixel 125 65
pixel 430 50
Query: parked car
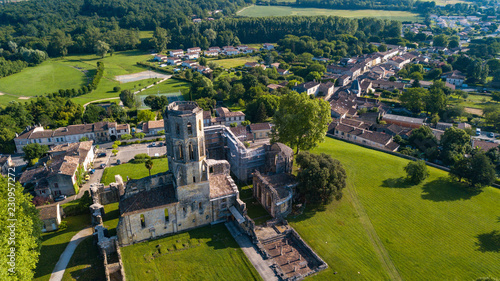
pixel 491 135
pixel 87 177
pixel 103 166
pixel 153 144
pixel 102 154
pixel 92 171
pixel 157 154
pixel 60 198
pixel 118 161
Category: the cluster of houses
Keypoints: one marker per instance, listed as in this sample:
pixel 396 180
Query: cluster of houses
pixel 466 22
pixel 57 173
pixel 98 132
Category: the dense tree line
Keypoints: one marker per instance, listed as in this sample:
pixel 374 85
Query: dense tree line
pixel 359 4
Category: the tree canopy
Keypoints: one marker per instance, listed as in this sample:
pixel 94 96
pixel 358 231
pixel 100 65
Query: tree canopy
pixel 301 122
pixel 320 177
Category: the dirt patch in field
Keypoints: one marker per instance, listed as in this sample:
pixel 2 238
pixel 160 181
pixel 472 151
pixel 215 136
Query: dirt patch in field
pixel 1 94
pixel 24 98
pixel 140 76
pixel 475 111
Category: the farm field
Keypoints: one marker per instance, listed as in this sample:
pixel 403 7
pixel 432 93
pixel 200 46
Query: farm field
pixel 436 230
pixel 208 253
pixel 277 11
pixel 474 101
pixel 48 77
pixel 133 170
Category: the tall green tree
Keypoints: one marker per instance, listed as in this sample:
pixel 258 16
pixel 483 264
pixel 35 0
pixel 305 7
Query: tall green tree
pixel 101 48
pixel 320 177
pixel 27 232
pixel 301 122
pixel 128 98
pixel 34 151
pixel 416 171
pixel 160 39
pixel 413 99
pixel 455 143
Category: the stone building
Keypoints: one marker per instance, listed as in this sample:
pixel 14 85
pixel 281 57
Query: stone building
pixel 51 216
pixel 196 191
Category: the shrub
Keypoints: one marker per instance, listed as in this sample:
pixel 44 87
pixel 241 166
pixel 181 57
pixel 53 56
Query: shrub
pixel 116 89
pixel 63 225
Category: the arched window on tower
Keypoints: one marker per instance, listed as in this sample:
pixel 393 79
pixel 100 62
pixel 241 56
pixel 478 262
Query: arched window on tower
pixel 201 149
pixel 180 152
pixel 177 129
pixel 191 151
pixel 190 128
pixel 199 125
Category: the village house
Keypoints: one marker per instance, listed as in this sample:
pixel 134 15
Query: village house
pixel 194 50
pixel 230 51
pixel 50 216
pixel 344 80
pixel 268 46
pixel 359 134
pixel 174 61
pixel 192 56
pixel 229 117
pixel 160 58
pixel 152 128
pixel 404 121
pixel 283 71
pixel 176 53
pixel 189 63
pixel 99 132
pixel 260 130
pixel 211 53
pixel 455 77
pixel 311 88
pixel 5 164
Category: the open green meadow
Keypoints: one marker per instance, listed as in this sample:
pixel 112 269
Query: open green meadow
pixel 208 253
pixel 233 62
pixel 133 170
pixel 48 77
pixel 54 243
pixel 171 85
pixel 280 11
pixel 386 229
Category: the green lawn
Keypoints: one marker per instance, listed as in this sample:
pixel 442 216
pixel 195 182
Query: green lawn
pixel 85 264
pixel 54 244
pixel 278 11
pixel 254 209
pixel 234 62
pixel 119 64
pixel 208 253
pixel 168 86
pixel 48 77
pixel 112 214
pixel 473 101
pixel 133 171
pixel 433 231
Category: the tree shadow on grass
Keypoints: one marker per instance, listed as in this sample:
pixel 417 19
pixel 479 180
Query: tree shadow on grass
pixel 444 189
pixel 489 242
pixel 310 211
pixel 397 183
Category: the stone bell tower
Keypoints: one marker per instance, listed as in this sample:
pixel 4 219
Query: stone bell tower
pixel 185 141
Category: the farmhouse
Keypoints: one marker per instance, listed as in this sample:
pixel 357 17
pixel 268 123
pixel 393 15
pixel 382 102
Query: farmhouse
pixel 455 78
pixel 268 46
pixel 260 130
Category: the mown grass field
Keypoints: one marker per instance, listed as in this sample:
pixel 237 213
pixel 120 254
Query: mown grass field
pixel 234 62
pixel 169 86
pixel 85 264
pixel 48 77
pixel 54 243
pixel 436 230
pixel 474 101
pixel 133 170
pixel 208 253
pixel 280 11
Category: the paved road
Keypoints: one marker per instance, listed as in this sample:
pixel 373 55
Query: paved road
pixel 262 266
pixel 58 272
